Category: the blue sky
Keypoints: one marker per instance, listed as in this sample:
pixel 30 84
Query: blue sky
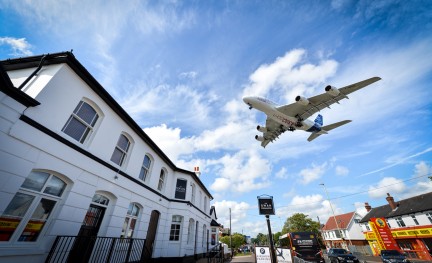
pixel 180 69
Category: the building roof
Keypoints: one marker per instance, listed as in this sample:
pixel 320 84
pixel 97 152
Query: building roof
pixel 342 220
pixel 416 204
pixel 8 88
pixel 214 223
pixel 69 59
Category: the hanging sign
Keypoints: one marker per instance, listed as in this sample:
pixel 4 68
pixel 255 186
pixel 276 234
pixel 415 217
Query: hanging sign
pixel 265 205
pixel 180 192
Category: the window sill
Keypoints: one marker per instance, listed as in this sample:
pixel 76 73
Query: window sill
pixel 23 251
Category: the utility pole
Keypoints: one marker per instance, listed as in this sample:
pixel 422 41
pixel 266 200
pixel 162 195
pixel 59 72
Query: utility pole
pixel 232 254
pixel 334 216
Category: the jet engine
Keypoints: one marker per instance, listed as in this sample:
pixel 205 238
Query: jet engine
pixel 333 91
pixel 302 100
pixel 261 129
pixel 259 138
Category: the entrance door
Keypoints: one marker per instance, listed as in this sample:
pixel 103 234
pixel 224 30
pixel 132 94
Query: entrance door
pixel 151 235
pixel 84 242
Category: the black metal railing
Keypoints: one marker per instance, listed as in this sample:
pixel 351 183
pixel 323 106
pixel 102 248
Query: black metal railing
pixel 96 249
pixel 216 254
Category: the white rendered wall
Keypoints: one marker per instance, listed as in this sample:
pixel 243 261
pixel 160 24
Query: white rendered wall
pixel 24 148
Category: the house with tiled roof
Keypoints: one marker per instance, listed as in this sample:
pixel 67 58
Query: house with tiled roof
pixel 409 221
pixel 344 231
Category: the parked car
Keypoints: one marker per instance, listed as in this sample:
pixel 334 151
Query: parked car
pixel 340 255
pixel 393 256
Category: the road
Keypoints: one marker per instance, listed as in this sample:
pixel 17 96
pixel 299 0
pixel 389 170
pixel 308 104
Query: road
pixel 251 258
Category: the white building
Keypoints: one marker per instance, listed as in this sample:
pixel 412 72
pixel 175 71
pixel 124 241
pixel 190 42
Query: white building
pixel 73 162
pixel 345 231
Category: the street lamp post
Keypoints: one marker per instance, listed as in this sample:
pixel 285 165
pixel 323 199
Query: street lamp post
pixel 334 216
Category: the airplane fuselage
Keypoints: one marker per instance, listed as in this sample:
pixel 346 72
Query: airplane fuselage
pixel 270 109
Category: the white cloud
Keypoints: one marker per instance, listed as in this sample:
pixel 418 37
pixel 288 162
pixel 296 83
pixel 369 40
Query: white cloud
pixel 282 173
pixel 312 174
pixel 387 185
pixel 422 169
pixel 315 206
pixel 19 46
pixel 289 75
pixel 341 170
pixel 241 172
pixel 188 75
pixel 399 161
pixel 239 212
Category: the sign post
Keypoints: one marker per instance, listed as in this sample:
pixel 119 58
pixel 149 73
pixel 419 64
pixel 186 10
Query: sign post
pixel 266 207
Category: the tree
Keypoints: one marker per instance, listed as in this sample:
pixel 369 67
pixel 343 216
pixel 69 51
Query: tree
pixel 261 239
pixel 300 222
pixel 237 240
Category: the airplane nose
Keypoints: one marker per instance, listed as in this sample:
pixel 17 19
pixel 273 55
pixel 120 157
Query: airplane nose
pixel 246 100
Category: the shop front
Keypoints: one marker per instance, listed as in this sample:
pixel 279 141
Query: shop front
pixel 416 242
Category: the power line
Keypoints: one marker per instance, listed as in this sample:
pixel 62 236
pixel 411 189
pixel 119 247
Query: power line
pixel 348 195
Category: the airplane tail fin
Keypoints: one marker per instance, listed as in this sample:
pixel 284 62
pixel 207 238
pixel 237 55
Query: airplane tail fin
pixel 327 128
pixel 319 119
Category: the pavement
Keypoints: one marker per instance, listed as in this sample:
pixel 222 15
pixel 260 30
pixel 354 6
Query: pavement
pixel 368 259
pixel 243 259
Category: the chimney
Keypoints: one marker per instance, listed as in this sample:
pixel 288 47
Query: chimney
pixel 391 201
pixel 368 207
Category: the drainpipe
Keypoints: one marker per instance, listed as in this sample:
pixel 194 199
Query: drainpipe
pixel 34 73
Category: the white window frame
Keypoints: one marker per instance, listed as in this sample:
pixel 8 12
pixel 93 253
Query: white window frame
pixel 132 215
pixel 176 226
pixel 205 204
pixel 90 128
pixel 38 195
pixel 416 222
pixel 124 152
pixel 203 236
pixel 193 193
pixel 146 171
pixel 429 216
pixel 400 221
pixel 191 231
pixel 162 179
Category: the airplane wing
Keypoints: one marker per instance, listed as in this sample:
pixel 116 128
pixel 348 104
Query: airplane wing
pixel 324 100
pixel 272 133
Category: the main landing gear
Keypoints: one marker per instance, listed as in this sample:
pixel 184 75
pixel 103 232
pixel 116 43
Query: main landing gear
pixel 284 129
pixel 299 121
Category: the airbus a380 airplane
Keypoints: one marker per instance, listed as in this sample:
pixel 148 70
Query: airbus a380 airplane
pixel 295 116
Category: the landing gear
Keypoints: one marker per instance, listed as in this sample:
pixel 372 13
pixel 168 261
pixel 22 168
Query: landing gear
pixel 299 121
pixel 284 129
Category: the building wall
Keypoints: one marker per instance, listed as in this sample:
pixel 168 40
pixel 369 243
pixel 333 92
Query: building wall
pixel 25 148
pixel 413 239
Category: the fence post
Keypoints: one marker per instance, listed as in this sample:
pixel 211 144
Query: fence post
pixel 53 248
pixel 111 250
pixel 129 250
